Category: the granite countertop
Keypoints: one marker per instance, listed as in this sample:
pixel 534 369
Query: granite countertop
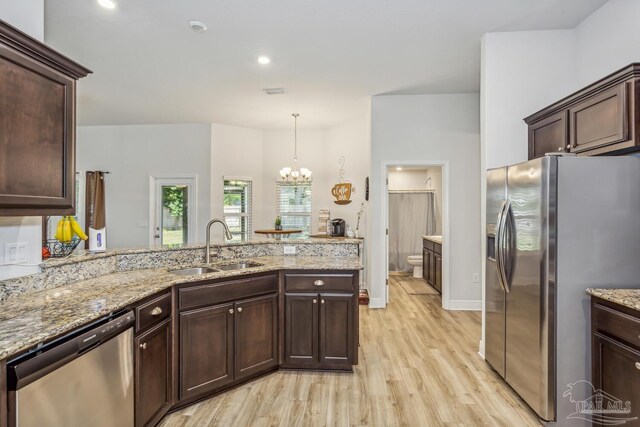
pixel 37 317
pixel 625 297
pixel 434 239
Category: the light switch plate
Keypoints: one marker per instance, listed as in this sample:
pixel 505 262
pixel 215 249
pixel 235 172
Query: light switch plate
pixel 476 277
pixel 289 249
pixel 16 253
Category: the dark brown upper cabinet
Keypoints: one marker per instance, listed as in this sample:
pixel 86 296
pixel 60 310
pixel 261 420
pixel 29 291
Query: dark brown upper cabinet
pixel 37 126
pixel 601 119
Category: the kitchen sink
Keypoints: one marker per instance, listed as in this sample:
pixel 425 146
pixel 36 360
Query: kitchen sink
pixel 238 266
pixel 194 271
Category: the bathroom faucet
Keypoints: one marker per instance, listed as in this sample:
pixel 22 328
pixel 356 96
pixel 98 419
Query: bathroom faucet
pixel 226 232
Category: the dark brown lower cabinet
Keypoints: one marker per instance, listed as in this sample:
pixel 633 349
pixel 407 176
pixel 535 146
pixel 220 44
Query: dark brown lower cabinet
pixel 153 374
pixel 256 335
pixel 615 355
pixel 206 349
pixel 319 331
pixel 226 343
pixel 437 279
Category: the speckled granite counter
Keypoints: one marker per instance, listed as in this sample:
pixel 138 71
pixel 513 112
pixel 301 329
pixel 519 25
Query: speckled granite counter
pixel 434 239
pixel 625 297
pixel 36 317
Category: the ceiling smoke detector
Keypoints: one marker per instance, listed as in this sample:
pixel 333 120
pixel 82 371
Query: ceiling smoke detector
pixel 274 91
pixel 197 26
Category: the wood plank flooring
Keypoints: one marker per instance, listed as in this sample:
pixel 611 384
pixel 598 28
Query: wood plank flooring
pixel 418 367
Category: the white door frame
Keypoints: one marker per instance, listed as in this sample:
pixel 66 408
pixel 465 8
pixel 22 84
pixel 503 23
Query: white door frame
pixel 444 165
pixel 189 179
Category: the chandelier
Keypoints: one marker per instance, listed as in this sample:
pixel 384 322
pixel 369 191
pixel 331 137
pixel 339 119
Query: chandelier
pixel 295 174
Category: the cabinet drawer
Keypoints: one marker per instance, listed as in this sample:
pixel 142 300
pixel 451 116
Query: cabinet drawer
pixel 437 248
pixel 319 282
pixel 153 312
pixel 214 293
pixel 617 324
pixel 427 244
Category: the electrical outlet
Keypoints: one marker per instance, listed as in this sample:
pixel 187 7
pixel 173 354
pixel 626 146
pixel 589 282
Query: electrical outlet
pixel 476 277
pixel 289 249
pixel 16 253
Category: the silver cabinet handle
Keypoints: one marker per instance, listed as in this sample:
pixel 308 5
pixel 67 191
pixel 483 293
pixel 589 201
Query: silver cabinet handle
pixel 239 309
pixel 318 283
pixel 637 365
pixel 560 149
pixel 156 311
pixel 231 311
pixel 322 301
pixel 568 147
pixel 315 301
pixel 143 346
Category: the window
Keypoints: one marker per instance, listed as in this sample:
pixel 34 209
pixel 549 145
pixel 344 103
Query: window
pixel 294 205
pixel 237 207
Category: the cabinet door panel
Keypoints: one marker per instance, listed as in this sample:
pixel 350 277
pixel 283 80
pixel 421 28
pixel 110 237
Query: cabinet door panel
pixel 336 329
pixel 425 265
pixel 548 135
pixel 153 374
pixel 437 280
pixel 206 349
pixel 616 373
pixel 600 120
pixel 301 337
pixel 256 335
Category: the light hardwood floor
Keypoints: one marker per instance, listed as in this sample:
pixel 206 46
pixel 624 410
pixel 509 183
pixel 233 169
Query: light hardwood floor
pixel 418 367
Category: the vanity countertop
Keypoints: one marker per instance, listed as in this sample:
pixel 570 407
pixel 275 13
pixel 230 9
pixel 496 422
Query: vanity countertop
pixel 37 317
pixel 434 239
pixel 625 297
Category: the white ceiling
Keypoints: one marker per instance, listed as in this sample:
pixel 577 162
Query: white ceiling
pixel 330 55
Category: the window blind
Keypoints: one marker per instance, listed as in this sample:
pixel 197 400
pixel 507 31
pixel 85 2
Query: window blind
pixel 237 207
pixel 294 205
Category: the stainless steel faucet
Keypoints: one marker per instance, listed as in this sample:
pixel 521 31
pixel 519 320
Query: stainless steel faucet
pixel 208 243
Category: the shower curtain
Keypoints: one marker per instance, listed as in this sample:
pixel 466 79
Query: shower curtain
pixel 410 216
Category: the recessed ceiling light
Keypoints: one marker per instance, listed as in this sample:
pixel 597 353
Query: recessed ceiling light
pixel 264 60
pixel 274 91
pixel 107 4
pixel 398 168
pixel 197 26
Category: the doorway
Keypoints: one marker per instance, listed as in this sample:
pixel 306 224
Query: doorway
pixel 416 205
pixel 172 209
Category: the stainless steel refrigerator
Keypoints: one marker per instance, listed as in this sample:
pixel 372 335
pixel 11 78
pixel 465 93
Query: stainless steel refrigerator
pixel 555 226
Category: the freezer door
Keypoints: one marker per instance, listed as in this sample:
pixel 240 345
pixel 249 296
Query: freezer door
pixel 494 293
pixel 529 366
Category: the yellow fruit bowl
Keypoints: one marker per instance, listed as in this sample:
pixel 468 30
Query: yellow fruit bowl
pixel 59 249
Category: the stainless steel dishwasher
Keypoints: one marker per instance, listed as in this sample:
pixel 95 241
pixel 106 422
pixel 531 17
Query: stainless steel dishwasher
pixel 82 379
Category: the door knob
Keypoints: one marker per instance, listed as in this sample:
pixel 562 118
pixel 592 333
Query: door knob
pixel 321 301
pixel 157 236
pixel 318 283
pixel 637 365
pixel 239 309
pixel 231 311
pixel 144 346
pixel 315 301
pixel 568 147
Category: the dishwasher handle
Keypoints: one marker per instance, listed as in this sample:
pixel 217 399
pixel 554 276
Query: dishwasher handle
pixel 25 371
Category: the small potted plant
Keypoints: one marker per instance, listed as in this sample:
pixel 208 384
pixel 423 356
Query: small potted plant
pixel 278 223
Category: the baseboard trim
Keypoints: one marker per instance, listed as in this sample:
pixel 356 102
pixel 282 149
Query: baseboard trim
pixel 377 303
pixel 465 305
pixel 481 349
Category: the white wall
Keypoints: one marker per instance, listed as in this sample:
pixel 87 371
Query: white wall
pixel 417 180
pixel 25 15
pixel 606 40
pixel 319 151
pixel 132 154
pixel 428 129
pixel 237 152
pixel 28 16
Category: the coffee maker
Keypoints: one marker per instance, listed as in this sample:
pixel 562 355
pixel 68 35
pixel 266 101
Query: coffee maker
pixel 337 227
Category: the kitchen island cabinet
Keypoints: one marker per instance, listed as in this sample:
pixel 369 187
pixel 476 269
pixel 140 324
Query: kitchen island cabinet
pixel 321 320
pixel 153 360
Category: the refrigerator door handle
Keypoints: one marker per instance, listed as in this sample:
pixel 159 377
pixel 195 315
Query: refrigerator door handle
pixel 498 245
pixel 507 240
pixel 502 253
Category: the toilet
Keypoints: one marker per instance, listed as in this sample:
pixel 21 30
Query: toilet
pixel 416 262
